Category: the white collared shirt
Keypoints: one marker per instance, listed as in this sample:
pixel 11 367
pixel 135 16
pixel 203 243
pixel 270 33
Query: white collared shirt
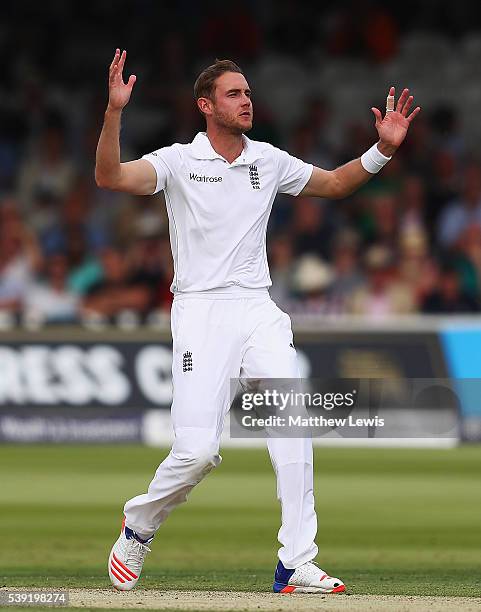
pixel 218 212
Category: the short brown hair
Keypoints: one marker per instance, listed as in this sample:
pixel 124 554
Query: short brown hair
pixel 205 84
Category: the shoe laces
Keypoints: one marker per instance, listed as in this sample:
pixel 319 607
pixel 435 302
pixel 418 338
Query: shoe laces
pixel 309 564
pixel 135 555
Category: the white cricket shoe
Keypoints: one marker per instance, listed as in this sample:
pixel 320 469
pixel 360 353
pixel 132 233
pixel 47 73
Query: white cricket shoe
pixel 307 578
pixel 126 559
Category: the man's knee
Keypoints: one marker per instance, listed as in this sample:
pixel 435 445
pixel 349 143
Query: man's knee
pixel 202 457
pixel 198 460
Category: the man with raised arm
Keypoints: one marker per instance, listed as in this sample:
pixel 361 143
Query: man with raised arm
pixel 219 191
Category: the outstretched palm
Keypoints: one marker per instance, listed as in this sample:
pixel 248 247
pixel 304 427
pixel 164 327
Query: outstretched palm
pixel 119 92
pixel 393 128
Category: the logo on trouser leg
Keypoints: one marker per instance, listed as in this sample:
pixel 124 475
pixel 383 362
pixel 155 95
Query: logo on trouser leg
pixel 187 362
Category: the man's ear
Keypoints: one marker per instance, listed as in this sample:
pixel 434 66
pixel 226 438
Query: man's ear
pixel 205 106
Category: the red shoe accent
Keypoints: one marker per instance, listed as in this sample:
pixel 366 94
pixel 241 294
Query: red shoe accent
pixel 116 575
pixel 339 589
pixel 288 589
pixel 124 567
pixel 123 525
pixel 115 567
pixel 322 577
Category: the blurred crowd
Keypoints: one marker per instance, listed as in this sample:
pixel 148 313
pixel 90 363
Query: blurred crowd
pixel 407 242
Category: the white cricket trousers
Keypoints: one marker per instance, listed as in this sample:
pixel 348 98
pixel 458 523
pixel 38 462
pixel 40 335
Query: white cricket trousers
pixel 219 335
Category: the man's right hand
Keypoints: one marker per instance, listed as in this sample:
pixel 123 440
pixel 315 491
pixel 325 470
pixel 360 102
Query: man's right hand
pixel 119 92
pixel 139 176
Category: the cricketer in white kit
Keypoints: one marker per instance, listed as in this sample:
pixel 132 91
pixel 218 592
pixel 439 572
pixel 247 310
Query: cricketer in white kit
pixel 219 191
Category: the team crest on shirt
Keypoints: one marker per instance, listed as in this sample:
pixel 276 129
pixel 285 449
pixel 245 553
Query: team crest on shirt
pixel 254 177
pixel 187 362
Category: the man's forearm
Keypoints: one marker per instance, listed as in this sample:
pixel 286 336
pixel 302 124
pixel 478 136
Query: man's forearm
pixel 357 172
pixel 350 177
pixel 341 182
pixel 107 162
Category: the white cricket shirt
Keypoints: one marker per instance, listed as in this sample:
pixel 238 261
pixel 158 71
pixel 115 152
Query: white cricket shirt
pixel 218 212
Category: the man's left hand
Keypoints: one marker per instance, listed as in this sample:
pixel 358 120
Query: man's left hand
pixel 393 128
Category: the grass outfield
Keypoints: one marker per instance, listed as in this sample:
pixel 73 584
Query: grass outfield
pixel 392 521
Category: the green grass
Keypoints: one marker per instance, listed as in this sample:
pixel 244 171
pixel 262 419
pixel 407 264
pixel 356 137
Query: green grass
pixel 405 522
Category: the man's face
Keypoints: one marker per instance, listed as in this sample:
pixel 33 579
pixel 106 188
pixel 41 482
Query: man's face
pixel 231 107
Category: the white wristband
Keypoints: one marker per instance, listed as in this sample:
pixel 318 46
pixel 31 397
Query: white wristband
pixel 373 160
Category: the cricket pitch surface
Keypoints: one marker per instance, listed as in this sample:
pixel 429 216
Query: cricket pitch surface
pixel 268 602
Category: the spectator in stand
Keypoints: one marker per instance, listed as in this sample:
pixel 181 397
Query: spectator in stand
pixel 376 216
pixel 347 275
pixel 382 295
pixel 467 260
pixel 281 265
pixel 412 209
pixel 449 298
pixel 419 151
pixel 306 142
pixel 185 119
pixel 463 211
pixel 148 259
pixel 442 182
pixel 20 257
pixel 385 218
pixel 49 300
pixel 118 291
pixel 136 218
pixel 13 132
pixel 85 268
pixel 354 141
pixel 75 219
pixel 417 269
pixel 265 128
pixel 318 116
pixel 313 224
pixel 446 133
pixel 47 173
pixel 312 278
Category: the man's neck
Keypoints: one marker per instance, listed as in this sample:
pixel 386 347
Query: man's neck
pixel 230 146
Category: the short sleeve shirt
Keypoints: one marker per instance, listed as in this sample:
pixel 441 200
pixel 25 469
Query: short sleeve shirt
pixel 218 211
